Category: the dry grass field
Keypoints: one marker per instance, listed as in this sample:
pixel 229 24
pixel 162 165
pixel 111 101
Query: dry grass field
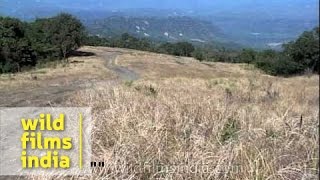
pixel 53 83
pixel 85 67
pixel 188 120
pixel 245 129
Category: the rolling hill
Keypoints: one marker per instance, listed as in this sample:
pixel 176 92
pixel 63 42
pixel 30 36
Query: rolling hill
pixel 268 24
pixel 172 28
pixel 172 111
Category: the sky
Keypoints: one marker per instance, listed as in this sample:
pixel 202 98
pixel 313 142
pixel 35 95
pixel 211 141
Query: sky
pixel 172 4
pixel 294 8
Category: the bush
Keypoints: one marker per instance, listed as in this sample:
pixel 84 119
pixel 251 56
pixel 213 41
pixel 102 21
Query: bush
pixel 282 66
pixel 96 41
pixel 126 41
pixel 177 49
pixel 247 56
pixel 230 130
pixel 198 54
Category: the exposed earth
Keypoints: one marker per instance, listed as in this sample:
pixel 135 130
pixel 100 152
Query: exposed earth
pixel 52 91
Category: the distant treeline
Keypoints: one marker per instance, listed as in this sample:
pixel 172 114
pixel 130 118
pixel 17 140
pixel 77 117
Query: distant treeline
pixel 297 57
pixel 144 44
pixel 25 45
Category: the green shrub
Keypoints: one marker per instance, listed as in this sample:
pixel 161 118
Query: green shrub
pixel 230 129
pixel 198 54
pixel 177 49
pixel 247 56
pixel 128 83
pixel 279 66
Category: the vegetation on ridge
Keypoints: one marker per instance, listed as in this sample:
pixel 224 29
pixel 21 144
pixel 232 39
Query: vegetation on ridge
pixel 24 45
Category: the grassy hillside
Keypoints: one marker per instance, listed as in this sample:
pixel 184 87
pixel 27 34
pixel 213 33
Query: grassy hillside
pixel 182 114
pixel 230 121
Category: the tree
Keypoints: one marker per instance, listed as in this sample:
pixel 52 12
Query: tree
pixel 57 36
pixel 269 53
pixel 67 33
pixel 184 49
pixel 96 41
pixel 247 56
pixel 16 50
pixel 167 48
pixel 198 54
pixel 40 36
pixel 279 65
pixel 177 49
pixel 25 44
pixel 2 60
pixel 305 50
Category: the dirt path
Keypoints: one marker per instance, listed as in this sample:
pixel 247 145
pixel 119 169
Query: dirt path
pixel 122 72
pixel 54 92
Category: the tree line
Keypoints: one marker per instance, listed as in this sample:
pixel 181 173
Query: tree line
pixel 296 57
pixel 128 41
pixel 299 56
pixel 24 45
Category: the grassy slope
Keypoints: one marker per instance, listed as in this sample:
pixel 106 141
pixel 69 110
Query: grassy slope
pixel 226 120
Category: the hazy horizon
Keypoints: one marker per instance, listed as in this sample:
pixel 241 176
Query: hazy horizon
pixel 258 22
pixel 197 5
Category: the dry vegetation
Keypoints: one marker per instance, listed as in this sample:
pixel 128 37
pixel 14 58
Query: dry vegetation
pixel 84 67
pixel 188 120
pixel 155 66
pixel 53 83
pixel 196 121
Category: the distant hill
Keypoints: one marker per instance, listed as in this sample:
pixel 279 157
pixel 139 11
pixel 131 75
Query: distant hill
pixel 251 23
pixel 175 28
pixel 264 30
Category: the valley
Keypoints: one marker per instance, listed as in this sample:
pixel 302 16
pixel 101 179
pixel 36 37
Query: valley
pixel 209 25
pixel 172 29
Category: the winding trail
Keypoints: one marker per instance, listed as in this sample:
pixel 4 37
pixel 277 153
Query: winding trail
pixel 54 92
pixel 122 72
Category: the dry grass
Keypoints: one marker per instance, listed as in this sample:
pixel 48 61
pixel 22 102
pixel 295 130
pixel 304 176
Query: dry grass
pixel 84 68
pixel 187 120
pixel 155 66
pixel 228 128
